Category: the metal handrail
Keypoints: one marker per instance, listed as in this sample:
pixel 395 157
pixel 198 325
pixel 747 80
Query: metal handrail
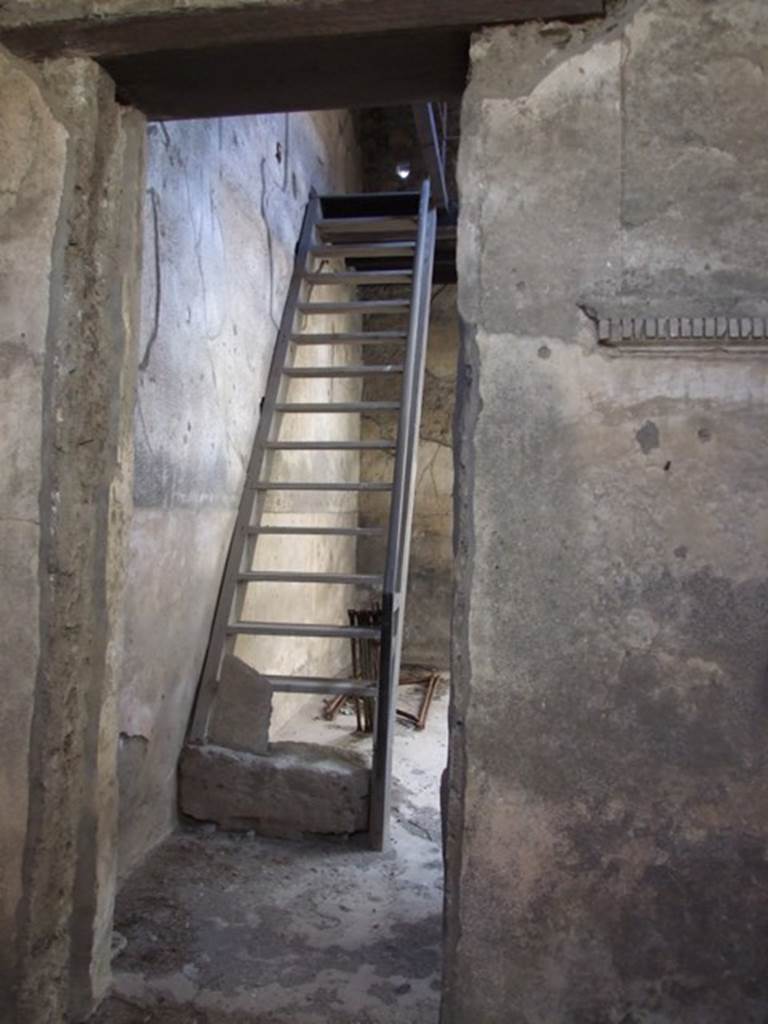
pixel 431 121
pixel 401 515
pixel 409 408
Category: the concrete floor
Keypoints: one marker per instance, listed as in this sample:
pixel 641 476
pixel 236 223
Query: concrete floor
pixel 234 929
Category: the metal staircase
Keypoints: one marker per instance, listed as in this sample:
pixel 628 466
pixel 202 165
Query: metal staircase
pixel 385 239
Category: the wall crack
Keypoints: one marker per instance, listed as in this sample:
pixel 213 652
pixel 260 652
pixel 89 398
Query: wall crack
pixel 155 202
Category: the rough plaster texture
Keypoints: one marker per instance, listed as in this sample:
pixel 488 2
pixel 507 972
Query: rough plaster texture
pixel 67 327
pixel 33 142
pixel 430 578
pixel 608 815
pixel 296 789
pixel 225 201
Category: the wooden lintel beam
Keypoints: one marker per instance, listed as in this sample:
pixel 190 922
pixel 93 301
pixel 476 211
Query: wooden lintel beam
pixel 197 27
pixel 314 74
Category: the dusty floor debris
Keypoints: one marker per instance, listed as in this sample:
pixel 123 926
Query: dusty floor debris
pixel 228 929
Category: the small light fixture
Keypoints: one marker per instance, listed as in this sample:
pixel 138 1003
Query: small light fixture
pixel 403 170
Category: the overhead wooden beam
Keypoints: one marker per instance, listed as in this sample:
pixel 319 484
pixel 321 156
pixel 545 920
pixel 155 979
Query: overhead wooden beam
pixel 301 74
pixel 196 27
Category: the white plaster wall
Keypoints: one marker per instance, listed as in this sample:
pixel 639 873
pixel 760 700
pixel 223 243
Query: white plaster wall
pixel 224 207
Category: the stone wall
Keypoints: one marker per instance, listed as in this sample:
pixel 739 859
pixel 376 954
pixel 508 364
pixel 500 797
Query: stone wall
pixel 31 185
pixel 608 816
pixel 68 283
pixel 225 202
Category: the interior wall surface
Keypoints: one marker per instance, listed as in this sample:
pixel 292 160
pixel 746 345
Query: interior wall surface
pixel 31 189
pixel 608 817
pixel 430 577
pixel 224 205
pixel 68 306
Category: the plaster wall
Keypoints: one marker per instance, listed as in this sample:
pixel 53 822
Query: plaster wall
pixel 608 815
pixel 225 201
pixel 67 317
pixel 430 578
pixel 34 143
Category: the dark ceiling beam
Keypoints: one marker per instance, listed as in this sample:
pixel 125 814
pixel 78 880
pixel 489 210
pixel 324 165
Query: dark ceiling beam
pixel 115 35
pixel 302 74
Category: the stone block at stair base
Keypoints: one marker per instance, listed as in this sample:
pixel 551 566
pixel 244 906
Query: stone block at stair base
pixel 242 709
pixel 295 790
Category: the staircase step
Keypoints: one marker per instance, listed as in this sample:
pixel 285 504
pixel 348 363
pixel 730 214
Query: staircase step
pixel 320 531
pixel 363 250
pixel 400 227
pixel 330 446
pixel 315 684
pixel 360 277
pixel 269 485
pixel 398 307
pixel 370 204
pixel 305 629
pixel 361 338
pixel 379 370
pixel 355 579
pixel 288 407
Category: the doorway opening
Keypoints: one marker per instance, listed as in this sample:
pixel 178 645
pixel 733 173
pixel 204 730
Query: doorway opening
pixel 217 921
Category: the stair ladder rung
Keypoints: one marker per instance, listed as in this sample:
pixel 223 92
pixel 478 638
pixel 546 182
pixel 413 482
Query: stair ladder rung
pixel 320 531
pixel 303 629
pixel 359 338
pixel 289 407
pixel 331 578
pixel 330 446
pixel 398 307
pixel 367 225
pixel 358 277
pixel 353 199
pixel 363 250
pixel 287 485
pixel 315 684
pixel 378 370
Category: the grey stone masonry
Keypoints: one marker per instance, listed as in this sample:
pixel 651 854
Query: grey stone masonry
pixel 243 708
pixel 298 789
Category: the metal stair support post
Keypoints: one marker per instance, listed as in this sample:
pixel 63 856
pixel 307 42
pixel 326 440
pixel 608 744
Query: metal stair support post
pixel 401 515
